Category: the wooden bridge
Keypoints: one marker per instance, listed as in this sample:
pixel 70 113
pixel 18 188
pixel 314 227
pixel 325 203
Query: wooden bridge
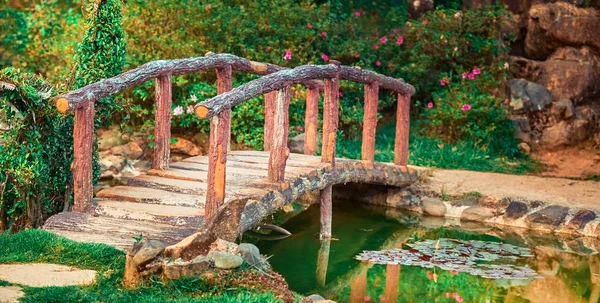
pixel 173 199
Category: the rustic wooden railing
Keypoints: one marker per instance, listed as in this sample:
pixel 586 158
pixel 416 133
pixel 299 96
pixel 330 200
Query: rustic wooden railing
pixel 275 85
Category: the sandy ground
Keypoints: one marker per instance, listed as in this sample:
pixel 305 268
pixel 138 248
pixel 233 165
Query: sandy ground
pixel 573 162
pixel 41 275
pixel 566 192
pixel 10 294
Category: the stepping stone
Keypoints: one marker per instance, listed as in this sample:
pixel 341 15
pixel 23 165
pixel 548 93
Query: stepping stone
pixel 10 294
pixel 149 195
pixel 45 274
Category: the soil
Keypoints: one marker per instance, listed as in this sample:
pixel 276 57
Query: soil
pixel 42 275
pixel 248 279
pixel 579 162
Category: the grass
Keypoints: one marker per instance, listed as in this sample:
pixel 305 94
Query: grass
pixel 40 246
pixel 430 152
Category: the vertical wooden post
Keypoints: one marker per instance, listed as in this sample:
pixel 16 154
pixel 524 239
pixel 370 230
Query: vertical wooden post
pixel 358 287
pixel 311 121
pixel 330 125
pixel 279 150
pixel 323 262
pixel 83 142
pixel 162 123
pixel 270 101
pixel 219 145
pixel 402 130
pixel 370 122
pixel 392 281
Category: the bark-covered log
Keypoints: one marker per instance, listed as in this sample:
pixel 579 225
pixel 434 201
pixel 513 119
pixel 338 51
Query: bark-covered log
pixel 270 101
pixel 365 76
pixel 370 122
pixel 279 149
pixel 330 117
pixel 326 212
pixel 155 69
pixel 219 144
pixel 83 142
pixel 162 123
pixel 402 130
pixel 311 121
pixel 261 86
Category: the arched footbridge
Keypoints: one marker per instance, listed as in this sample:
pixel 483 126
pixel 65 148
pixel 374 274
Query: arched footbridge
pixel 227 191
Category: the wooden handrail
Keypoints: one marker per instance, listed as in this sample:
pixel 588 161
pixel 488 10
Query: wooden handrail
pixel 141 74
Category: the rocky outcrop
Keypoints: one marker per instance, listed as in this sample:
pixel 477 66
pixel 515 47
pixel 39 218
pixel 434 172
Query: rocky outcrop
pixel 527 96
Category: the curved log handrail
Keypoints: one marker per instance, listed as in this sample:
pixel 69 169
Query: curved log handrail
pixel 145 72
pixel 300 74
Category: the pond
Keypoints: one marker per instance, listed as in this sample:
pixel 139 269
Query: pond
pixel 567 269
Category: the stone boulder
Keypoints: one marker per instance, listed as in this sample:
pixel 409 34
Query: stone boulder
pixel 563 110
pixel 179 268
pixel 416 8
pixel 251 255
pixel 565 133
pixel 522 129
pixel 186 147
pixel 477 213
pixel 434 207
pixel 224 246
pixel 296 144
pixel 223 260
pixel 527 96
pixel 146 250
pixel 130 150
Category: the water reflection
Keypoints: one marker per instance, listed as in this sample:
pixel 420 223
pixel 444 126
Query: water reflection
pixel 570 268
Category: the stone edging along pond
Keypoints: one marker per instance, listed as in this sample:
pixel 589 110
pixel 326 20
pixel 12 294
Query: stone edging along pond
pixel 516 212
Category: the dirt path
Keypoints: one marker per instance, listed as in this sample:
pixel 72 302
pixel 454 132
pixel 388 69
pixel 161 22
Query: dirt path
pixel 42 274
pixel 579 162
pixel 565 192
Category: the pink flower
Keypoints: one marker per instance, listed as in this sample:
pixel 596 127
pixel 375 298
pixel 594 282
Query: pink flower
pixel 208 6
pixel 308 25
pixel 430 105
pixel 453 272
pixel 457 15
pixel 299 128
pixel 464 75
pixel 400 40
pixel 383 39
pixel 476 71
pixel 288 55
pixel 375 46
pixel 357 14
pixel 447 295
pixel 367 298
pixel 190 109
pixel 425 21
pixel 466 107
pixel 459 299
pixel 505 65
pixel 357 55
pixel 429 275
pixel 268 49
pixel 178 111
pixel 324 34
pixel 443 82
pixel 378 63
pixel 194 98
pixel 340 94
pixel 455 295
pixel 324 57
pixel 456 49
pixel 471 76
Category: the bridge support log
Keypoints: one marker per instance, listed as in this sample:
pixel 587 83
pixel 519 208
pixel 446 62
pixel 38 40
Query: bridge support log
pixel 162 123
pixel 311 121
pixel 270 104
pixel 219 145
pixel 402 130
pixel 83 142
pixel 279 150
pixel 370 122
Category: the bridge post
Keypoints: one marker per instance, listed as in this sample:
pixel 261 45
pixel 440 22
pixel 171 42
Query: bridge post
pixel 279 150
pixel 311 121
pixel 162 123
pixel 370 122
pixel 270 102
pixel 219 145
pixel 330 126
pixel 83 142
pixel 402 130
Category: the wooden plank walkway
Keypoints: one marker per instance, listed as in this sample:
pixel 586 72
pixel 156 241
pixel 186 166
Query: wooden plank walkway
pixel 168 205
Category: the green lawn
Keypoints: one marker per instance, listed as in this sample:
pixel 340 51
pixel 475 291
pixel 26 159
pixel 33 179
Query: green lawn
pixel 40 246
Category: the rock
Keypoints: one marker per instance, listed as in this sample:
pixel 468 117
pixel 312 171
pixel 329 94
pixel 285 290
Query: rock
pixel 45 274
pixel 527 96
pixel 433 207
pixel 468 201
pixel 224 260
pixel 130 150
pixel 224 246
pixel 581 218
pixel 524 148
pixel 516 210
pixel 477 213
pixel 522 129
pixel 316 299
pixel 416 8
pixel 185 146
pixel 551 216
pixel 10 294
pixel 296 144
pixel 109 138
pixel 112 163
pixel 565 133
pixel 563 110
pixel 251 255
pixel 179 268
pixel 146 251
pixel 404 199
pixel 202 140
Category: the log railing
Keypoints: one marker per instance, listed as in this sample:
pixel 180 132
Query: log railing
pixel 275 85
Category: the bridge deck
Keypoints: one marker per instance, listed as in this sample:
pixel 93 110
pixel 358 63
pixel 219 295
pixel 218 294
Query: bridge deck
pixel 169 204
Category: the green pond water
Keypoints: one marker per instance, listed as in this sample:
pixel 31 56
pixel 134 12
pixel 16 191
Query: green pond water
pixel 568 267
